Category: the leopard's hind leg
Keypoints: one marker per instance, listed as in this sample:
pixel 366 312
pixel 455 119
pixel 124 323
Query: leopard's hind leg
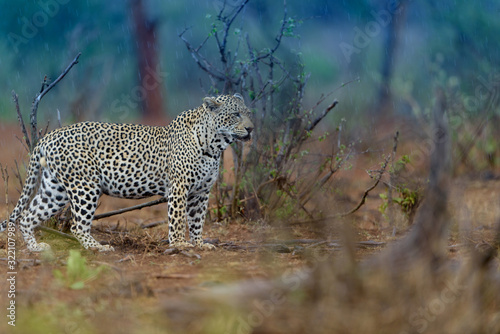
pixel 83 202
pixel 49 199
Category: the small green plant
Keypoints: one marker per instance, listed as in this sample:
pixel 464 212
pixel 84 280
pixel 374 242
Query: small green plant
pixel 407 200
pixel 407 197
pixel 77 272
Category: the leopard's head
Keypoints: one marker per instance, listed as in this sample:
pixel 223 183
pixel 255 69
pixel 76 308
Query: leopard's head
pixel 231 116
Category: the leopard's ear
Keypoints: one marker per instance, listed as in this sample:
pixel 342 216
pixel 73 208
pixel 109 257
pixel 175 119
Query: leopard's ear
pixel 211 103
pixel 238 96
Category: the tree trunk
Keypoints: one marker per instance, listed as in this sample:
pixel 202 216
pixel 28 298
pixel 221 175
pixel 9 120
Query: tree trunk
pixel 384 106
pixel 428 238
pixel 149 91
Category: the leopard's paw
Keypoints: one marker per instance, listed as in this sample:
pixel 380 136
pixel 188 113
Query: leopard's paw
pixel 206 246
pixel 101 248
pixel 106 248
pixel 180 245
pixel 38 247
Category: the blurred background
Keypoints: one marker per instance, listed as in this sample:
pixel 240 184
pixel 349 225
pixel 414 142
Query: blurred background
pixel 399 50
pixel 290 204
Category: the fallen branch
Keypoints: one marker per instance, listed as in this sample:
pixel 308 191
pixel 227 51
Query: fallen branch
pixel 131 208
pixel 56 232
pixel 154 224
pixel 281 247
pixel 176 276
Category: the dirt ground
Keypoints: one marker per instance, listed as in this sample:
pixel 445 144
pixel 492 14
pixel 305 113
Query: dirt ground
pixel 129 290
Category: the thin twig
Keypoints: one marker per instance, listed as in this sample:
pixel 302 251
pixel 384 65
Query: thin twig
pixel 307 194
pixel 318 119
pixel 20 119
pixel 45 89
pixel 377 180
pixel 279 36
pixel 5 177
pixel 132 208
pixel 227 21
pixel 200 60
pixel 18 175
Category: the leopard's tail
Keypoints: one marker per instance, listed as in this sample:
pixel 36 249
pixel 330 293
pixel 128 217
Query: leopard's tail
pixel 29 188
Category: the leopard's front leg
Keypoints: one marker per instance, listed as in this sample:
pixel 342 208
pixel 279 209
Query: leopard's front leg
pixel 177 217
pixel 196 212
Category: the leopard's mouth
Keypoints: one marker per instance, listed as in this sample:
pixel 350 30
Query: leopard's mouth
pixel 243 138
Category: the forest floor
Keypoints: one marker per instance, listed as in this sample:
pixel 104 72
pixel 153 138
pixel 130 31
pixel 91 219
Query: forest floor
pixel 132 289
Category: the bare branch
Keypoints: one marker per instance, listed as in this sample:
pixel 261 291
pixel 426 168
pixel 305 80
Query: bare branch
pixel 377 180
pixel 20 119
pixel 324 97
pixel 131 208
pixel 5 177
pixel 23 143
pixel 307 194
pixel 200 60
pixel 228 21
pixel 318 119
pixel 278 37
pixel 18 174
pixel 45 89
pixel 61 76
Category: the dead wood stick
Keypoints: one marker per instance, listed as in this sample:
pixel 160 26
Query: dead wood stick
pixel 153 224
pixel 282 248
pixel 56 232
pixel 284 242
pixel 176 276
pixel 131 208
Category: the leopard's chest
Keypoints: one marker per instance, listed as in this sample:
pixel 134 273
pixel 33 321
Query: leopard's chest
pixel 204 174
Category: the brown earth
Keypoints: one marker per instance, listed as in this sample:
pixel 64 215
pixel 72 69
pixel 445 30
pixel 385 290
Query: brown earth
pixel 138 280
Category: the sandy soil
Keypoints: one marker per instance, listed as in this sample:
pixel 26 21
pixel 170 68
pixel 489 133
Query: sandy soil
pixel 139 278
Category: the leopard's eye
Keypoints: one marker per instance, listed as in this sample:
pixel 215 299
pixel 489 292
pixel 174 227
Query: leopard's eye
pixel 237 114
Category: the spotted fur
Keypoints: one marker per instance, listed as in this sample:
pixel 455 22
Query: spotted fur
pixel 81 162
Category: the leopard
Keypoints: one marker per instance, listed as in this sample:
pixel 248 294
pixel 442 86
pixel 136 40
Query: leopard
pixel 79 163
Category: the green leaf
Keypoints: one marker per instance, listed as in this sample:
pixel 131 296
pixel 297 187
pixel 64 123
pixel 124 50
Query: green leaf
pixel 77 285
